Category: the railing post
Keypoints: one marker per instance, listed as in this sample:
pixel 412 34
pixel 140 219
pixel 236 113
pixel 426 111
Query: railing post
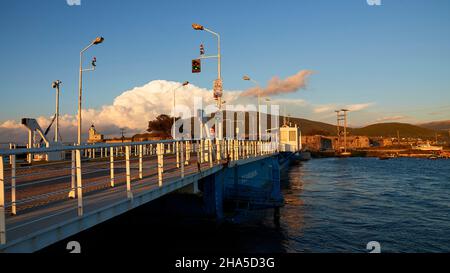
pixel 218 150
pixel 140 161
pixel 181 145
pixel 199 157
pixel 2 203
pixel 10 147
pixel 210 158
pixel 176 149
pixel 202 159
pixel 128 171
pixel 111 166
pixel 240 148
pixel 73 176
pixel 229 150
pixel 216 145
pixel 29 155
pixel 160 152
pixel 79 183
pixel 188 153
pixel 13 185
pixel 231 147
pixel 247 149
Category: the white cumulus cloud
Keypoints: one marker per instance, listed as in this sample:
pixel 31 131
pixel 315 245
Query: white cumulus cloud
pixel 133 109
pixel 391 118
pixel 359 107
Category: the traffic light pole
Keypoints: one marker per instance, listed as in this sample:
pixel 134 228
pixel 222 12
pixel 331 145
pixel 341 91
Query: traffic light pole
pixel 218 56
pixel 218 126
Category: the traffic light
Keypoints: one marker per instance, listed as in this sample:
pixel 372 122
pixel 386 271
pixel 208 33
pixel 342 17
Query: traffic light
pixel 196 66
pixel 202 50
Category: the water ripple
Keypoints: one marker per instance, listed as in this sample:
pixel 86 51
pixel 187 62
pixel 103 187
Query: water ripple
pixel 345 203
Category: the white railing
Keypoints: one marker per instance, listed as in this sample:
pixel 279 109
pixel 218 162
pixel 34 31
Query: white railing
pixel 88 169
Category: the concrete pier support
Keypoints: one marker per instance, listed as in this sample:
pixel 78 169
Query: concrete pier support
pixel 213 195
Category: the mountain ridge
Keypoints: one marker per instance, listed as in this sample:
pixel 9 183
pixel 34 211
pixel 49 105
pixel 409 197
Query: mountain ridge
pixel 388 129
pixel 436 125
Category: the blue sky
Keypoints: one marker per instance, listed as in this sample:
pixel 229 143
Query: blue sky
pixel 395 56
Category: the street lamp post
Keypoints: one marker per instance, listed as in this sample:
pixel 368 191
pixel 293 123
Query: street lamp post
pixel 219 73
pixel 174 119
pixel 56 85
pixel 247 78
pixel 97 41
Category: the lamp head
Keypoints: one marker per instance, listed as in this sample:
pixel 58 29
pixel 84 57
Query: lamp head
pixel 56 83
pixel 197 27
pixel 98 40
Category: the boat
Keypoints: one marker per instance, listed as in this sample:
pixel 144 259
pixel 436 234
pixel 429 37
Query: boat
pixel 428 147
pixel 345 154
pixel 386 157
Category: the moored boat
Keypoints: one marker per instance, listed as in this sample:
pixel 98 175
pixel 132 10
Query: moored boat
pixel 428 147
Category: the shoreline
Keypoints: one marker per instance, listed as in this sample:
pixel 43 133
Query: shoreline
pixel 386 154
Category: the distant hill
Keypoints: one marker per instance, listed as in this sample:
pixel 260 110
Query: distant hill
pixel 390 130
pixel 380 129
pixel 310 127
pixel 437 125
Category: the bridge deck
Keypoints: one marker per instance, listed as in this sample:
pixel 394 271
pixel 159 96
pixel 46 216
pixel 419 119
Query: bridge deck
pixel 39 194
pixel 39 215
